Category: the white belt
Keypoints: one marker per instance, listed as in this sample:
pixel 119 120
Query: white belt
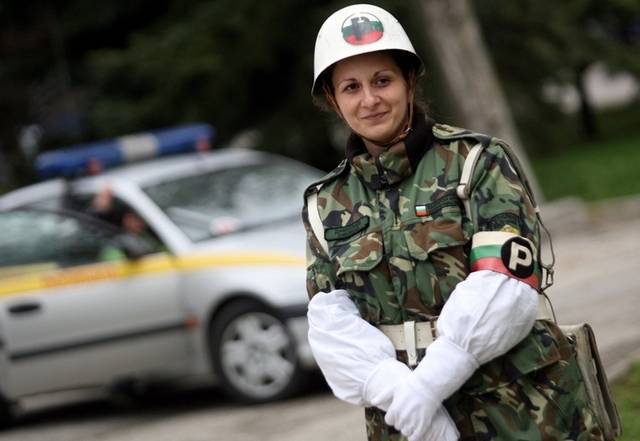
pixel 411 336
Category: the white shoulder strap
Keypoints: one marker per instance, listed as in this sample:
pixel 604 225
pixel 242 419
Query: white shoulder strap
pixel 464 186
pixel 315 222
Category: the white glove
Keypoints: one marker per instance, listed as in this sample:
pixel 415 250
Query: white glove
pixel 356 358
pixel 416 400
pixel 442 428
pixel 486 315
pixel 385 378
pixel 389 376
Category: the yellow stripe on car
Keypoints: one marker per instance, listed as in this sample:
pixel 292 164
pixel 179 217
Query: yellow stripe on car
pixel 159 263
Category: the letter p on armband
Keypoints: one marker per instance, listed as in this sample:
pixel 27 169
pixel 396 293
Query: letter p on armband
pixel 506 253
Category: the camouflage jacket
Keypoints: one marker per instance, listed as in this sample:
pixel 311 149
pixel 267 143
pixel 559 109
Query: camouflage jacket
pixel 399 240
pixel 398 237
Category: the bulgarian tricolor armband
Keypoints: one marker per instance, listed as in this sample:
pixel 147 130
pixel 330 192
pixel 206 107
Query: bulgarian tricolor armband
pixel 506 253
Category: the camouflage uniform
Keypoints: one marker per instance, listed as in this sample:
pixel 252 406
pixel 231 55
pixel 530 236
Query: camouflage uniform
pixel 399 243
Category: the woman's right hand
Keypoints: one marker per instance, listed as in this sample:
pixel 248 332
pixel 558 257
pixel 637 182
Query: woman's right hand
pixel 347 349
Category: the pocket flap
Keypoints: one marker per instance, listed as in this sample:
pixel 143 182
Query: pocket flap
pixel 441 231
pixel 361 254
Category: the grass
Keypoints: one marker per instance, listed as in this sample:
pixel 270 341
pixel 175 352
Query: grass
pixel 626 394
pixel 592 171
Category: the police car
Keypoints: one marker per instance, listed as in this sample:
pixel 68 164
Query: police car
pixel 213 287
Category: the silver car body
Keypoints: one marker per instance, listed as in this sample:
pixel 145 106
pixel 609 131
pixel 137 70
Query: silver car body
pixel 150 317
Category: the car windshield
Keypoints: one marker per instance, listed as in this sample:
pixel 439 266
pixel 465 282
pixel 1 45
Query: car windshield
pixel 230 200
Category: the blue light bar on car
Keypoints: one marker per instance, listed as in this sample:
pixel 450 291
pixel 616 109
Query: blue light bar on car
pixel 92 158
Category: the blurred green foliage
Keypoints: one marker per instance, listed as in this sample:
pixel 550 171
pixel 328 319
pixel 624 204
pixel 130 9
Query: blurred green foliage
pixel 592 171
pixel 84 72
pixel 236 63
pixel 626 393
pixel 535 42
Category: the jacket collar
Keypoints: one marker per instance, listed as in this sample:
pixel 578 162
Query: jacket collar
pixel 397 162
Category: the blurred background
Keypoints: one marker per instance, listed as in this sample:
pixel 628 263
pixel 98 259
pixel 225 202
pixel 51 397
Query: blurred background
pixel 559 80
pixel 567 73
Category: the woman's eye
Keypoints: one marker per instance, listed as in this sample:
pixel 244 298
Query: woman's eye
pixel 382 81
pixel 350 87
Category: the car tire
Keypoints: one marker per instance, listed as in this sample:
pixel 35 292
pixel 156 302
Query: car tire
pixel 6 413
pixel 253 354
pixel 129 392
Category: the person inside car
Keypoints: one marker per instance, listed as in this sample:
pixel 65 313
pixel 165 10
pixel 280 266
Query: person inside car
pixel 108 208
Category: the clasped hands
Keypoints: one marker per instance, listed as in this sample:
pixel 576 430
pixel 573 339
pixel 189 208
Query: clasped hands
pixel 415 413
pixel 413 399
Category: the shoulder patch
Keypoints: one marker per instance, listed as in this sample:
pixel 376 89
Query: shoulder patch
pixel 509 222
pixel 446 132
pixel 338 171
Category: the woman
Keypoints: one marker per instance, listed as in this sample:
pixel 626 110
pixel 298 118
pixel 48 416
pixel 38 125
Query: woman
pixel 421 312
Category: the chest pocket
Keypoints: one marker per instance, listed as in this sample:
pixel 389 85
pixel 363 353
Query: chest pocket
pixel 360 253
pixel 359 270
pixel 437 230
pixel 436 244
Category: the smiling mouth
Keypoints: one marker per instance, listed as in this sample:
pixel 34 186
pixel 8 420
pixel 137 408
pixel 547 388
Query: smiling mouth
pixel 375 116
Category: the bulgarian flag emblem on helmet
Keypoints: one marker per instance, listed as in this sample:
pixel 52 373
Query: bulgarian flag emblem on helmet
pixel 362 28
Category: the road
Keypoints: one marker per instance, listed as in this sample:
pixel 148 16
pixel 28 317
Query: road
pixel 597 281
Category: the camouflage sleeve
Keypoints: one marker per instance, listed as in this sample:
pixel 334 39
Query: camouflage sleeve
pixel 499 201
pixel 500 205
pixel 320 272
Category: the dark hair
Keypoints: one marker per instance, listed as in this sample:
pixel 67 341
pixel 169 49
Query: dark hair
pixel 408 63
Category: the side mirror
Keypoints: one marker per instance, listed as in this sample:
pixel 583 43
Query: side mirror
pixel 133 247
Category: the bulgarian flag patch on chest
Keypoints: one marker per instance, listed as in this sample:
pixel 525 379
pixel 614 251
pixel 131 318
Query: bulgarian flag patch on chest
pixel 506 253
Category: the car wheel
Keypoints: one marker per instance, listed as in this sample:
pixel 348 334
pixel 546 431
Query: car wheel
pixel 6 413
pixel 254 354
pixel 128 392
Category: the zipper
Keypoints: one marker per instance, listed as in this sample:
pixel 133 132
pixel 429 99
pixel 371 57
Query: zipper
pixel 392 193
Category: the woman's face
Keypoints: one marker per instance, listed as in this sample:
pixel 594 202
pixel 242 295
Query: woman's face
pixel 372 95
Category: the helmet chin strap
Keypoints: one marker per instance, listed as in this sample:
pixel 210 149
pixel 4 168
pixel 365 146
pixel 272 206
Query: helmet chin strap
pixel 403 133
pixel 407 127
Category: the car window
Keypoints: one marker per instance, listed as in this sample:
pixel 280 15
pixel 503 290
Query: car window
pixel 35 240
pixel 225 201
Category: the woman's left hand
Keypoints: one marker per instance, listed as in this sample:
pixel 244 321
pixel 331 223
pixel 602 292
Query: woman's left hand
pixel 420 418
pixel 436 378
pixel 442 428
pixel 412 409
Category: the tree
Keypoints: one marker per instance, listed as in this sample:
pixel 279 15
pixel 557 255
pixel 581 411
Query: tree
pixel 457 44
pixel 238 64
pixel 140 64
pixel 42 74
pixel 534 42
pixel 235 63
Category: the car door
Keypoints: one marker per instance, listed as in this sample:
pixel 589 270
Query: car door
pixel 75 313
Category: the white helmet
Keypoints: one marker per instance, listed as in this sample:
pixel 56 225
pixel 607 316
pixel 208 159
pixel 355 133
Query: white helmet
pixel 355 30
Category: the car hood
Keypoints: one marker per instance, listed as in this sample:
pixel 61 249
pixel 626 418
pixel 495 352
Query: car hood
pixel 286 237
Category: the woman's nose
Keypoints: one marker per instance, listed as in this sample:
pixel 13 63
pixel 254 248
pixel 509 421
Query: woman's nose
pixel 370 97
